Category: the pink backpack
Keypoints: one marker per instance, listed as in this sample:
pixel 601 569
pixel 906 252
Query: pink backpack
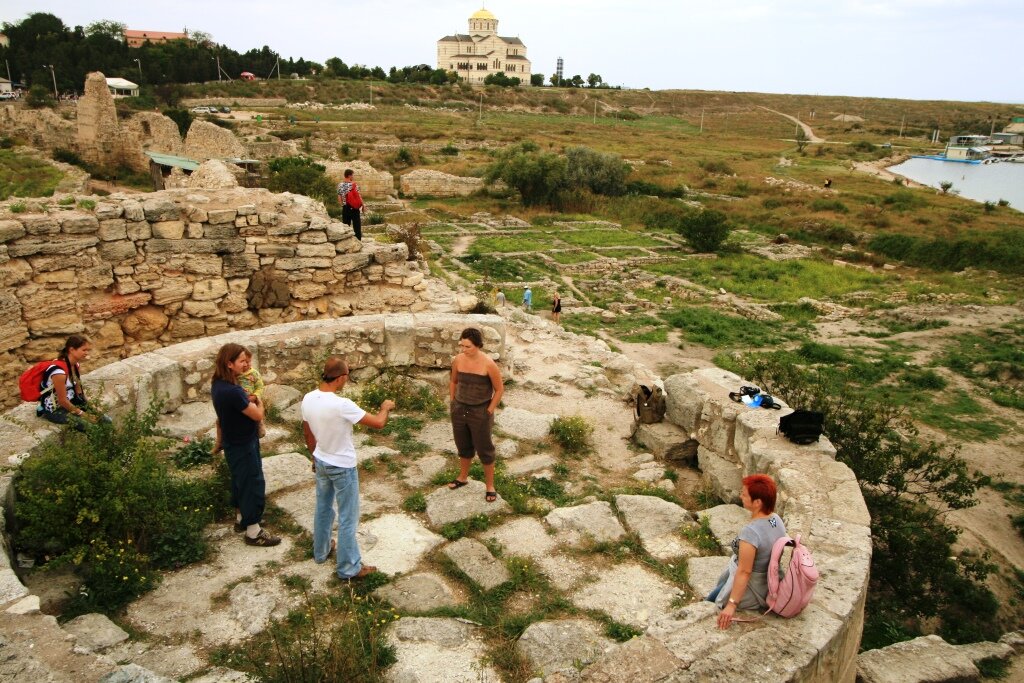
pixel 788 597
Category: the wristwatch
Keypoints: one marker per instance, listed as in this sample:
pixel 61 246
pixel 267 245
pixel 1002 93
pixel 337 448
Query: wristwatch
pixel 733 602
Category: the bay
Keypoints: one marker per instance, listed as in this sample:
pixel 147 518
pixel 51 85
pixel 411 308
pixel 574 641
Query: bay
pixel 980 182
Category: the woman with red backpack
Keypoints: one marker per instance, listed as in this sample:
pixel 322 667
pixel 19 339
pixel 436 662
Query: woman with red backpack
pixel 62 395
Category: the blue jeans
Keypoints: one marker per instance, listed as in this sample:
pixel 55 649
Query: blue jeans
pixel 248 487
pixel 337 485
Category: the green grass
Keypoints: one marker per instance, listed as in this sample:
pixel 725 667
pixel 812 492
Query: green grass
pixel 635 328
pixel 501 244
pixel 570 257
pixel 775 281
pixel 703 325
pixel 25 176
pixel 622 253
pixel 607 238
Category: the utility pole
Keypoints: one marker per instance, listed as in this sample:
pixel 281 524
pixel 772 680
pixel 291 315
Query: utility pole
pixel 595 112
pixel 9 73
pixel 217 57
pixel 701 119
pixel 371 92
pixel 139 62
pixel 480 116
pixel 56 96
pixel 902 121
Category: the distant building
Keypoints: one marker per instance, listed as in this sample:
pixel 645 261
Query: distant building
pixel 482 52
pixel 1009 138
pixel 968 147
pixel 119 87
pixel 5 85
pixel 137 38
pixel 4 41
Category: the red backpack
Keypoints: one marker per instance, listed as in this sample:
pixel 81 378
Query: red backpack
pixel 31 381
pixel 353 198
pixel 788 597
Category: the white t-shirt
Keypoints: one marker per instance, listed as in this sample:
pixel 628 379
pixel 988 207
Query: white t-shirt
pixel 331 417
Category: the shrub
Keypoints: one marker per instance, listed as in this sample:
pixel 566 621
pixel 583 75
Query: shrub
pixel 704 230
pixel 404 156
pixel 829 205
pixel 300 175
pixel 67 156
pixel 450 150
pixel 104 502
pixel 194 454
pixel 587 169
pixel 573 434
pixel 182 117
pixel 642 187
pixel 39 96
pixel 539 177
pixel 862 146
pixel 411 395
pixel 716 167
pixel 87 204
pixel 8 143
pixel 905 200
pixel 409 235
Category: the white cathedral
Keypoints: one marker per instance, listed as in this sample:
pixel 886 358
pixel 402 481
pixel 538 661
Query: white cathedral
pixel 482 52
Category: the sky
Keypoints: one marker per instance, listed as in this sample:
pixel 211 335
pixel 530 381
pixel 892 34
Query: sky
pixel 969 50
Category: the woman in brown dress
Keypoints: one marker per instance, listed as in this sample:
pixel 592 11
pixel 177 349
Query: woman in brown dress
pixel 475 391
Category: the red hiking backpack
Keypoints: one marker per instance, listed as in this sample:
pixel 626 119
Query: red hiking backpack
pixel 353 198
pixel 31 381
pixel 788 597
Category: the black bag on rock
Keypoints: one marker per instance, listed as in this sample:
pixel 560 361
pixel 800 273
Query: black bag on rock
pixel 802 426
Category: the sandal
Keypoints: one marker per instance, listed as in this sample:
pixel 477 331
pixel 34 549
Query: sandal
pixel 263 540
pixel 456 484
pixel 491 496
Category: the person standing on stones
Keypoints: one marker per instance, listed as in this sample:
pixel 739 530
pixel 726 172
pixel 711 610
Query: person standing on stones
pixel 475 390
pixel 327 421
pixel 556 309
pixel 527 299
pixel 351 203
pixel 239 415
pixel 499 300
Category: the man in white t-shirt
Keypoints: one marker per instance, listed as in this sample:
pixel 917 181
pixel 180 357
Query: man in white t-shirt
pixel 327 421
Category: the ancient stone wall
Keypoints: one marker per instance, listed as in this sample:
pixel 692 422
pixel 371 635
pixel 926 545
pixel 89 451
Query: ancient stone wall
pixel 206 140
pixel 100 139
pixel 270 149
pixel 425 183
pixel 154 133
pixel 136 274
pixel 237 102
pixel 373 184
pixel 39 128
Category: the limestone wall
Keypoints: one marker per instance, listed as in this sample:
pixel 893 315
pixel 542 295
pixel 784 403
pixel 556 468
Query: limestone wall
pixel 40 128
pixel 206 140
pixel 425 183
pixel 373 184
pixel 819 498
pixel 136 274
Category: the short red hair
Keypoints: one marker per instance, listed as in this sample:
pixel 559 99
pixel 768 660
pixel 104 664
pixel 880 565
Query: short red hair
pixel 762 487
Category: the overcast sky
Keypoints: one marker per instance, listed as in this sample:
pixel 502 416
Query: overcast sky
pixel 920 49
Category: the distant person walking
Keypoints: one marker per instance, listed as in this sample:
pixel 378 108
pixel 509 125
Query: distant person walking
pixel 475 390
pixel 327 421
pixel 527 300
pixel 828 183
pixel 556 309
pixel 239 416
pixel 351 203
pixel 499 300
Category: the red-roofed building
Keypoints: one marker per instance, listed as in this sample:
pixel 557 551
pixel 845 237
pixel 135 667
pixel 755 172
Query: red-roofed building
pixel 137 38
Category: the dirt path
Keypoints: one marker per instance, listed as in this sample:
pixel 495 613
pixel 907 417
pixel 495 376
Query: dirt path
pixel 811 137
pixel 461 245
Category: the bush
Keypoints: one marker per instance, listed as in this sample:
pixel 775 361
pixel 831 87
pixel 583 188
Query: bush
pixel 409 394
pixel 194 454
pixel 573 434
pixel 404 157
pixel 540 177
pixel 104 502
pixel 68 157
pixel 182 117
pixel 829 205
pixel 705 230
pixel 588 169
pixel 717 167
pixel 642 187
pixel 300 175
pixel 1001 250
pixel 502 80
pixel 39 96
pixel 450 150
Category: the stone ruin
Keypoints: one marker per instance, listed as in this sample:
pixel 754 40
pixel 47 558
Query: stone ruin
pixel 373 184
pixel 206 140
pixel 137 274
pixel 426 183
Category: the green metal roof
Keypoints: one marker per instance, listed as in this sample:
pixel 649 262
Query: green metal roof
pixel 170 160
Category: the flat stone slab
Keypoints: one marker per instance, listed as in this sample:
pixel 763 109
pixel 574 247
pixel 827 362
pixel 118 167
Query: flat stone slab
pixel 11 587
pixel 376 497
pixel 530 463
pixel 475 561
pixel 418 593
pixel 437 435
pixel 523 424
pixel 395 543
pixel 220 674
pixel 446 505
pixel 191 419
pixel 921 660
pixel 173 661
pixel 287 470
pixel 703 572
pixel 281 396
pixel 527 537
pixel 366 453
pixel 551 646
pixel 638 660
pixel 726 521
pixel 437 649
pixel 133 673
pixel 629 594
pixel 95 632
pixel 657 523
pixel 422 471
pixel 593 521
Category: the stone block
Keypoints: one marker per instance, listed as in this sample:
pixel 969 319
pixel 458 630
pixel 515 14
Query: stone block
pixel 113 229
pixel 400 340
pixel 657 522
pixel 550 646
pixel 640 660
pixel 221 231
pixel 475 561
pixel 168 230
pixel 157 209
pixel 922 660
pixel 219 216
pixel 172 290
pixel 105 212
pixel 79 223
pixel 445 505
pixel 591 522
pixel 275 249
pixel 118 251
pixel 208 290
pixel 347 263
pixel 313 250
pixel 667 441
pixel 41 224
pixel 138 230
pixel 628 593
pixel 12 230
pixel 396 543
pixel 102 306
pixel 30 246
pixel 725 522
pixel 203 246
pixel 418 593
pixel 724 475
pixel 390 253
pixel 703 572
pixel 95 632
pixel 145 323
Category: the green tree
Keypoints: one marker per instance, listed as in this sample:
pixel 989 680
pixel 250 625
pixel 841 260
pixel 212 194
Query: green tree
pixel 801 139
pixel 577 81
pixel 300 175
pixel 705 230
pixel 39 96
pixel 594 171
pixel 501 79
pixel 537 80
pixel 555 80
pixel 540 177
pixel 946 186
pixel 594 81
pixel 109 28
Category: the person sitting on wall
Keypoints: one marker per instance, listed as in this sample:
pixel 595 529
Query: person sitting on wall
pixel 62 399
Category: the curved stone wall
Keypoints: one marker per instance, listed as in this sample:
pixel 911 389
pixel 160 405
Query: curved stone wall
pixel 819 497
pixel 138 274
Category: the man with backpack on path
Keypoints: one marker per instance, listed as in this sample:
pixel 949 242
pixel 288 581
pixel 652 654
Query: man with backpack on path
pixel 351 203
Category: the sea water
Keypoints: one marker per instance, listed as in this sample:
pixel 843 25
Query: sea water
pixel 981 182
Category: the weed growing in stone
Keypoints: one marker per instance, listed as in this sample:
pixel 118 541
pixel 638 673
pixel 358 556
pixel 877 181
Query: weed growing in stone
pixel 573 434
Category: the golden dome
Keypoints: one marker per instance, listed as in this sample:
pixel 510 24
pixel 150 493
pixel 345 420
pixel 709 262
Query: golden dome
pixel 483 14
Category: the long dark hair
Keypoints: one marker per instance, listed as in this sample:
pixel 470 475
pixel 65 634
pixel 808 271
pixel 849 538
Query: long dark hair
pixel 227 354
pixel 75 341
